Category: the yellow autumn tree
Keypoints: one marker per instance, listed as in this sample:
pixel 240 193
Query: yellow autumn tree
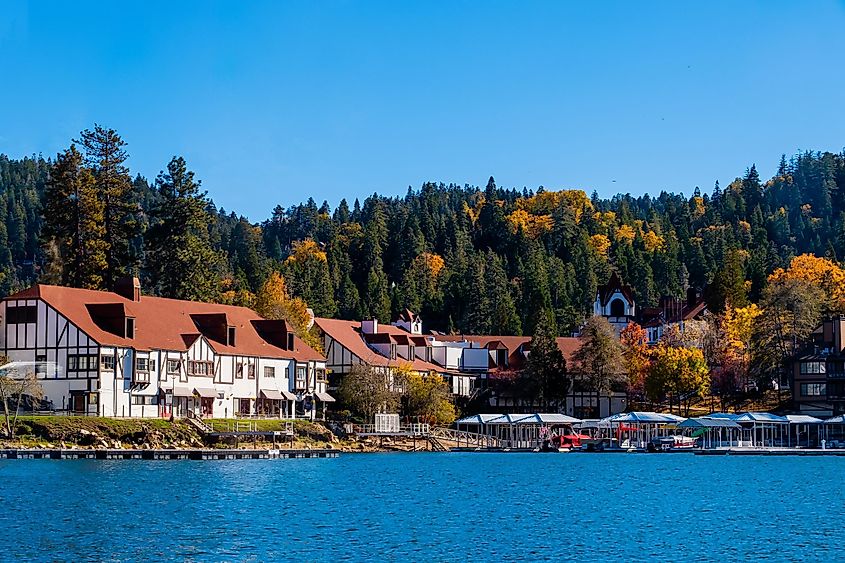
pixel 427 398
pixel 678 374
pixel 652 241
pixel 274 302
pixel 625 233
pixel 825 274
pixel 601 244
pixel 532 225
pixel 303 250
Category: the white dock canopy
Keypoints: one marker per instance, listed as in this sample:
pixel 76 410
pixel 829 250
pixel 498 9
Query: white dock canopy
pixel 548 418
pixel 477 419
pixel 644 418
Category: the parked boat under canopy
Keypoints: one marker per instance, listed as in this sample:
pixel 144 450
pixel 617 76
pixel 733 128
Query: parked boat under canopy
pixel 518 430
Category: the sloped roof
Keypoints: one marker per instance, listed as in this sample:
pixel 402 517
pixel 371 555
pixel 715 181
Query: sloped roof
pixel 568 345
pixel 348 334
pixel 613 285
pixel 163 324
pixel 706 422
pixel 645 417
pixel 762 417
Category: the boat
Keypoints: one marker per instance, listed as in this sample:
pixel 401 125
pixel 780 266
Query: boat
pixel 671 443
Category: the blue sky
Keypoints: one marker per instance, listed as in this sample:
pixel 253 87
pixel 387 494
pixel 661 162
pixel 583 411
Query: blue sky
pixel 273 102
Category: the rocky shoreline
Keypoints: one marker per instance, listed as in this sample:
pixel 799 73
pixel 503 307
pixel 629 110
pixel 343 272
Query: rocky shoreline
pixel 103 434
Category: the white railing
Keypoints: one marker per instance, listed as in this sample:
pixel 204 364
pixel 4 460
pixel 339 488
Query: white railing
pixel 469 439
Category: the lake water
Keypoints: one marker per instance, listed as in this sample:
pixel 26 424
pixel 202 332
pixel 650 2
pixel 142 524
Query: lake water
pixel 427 507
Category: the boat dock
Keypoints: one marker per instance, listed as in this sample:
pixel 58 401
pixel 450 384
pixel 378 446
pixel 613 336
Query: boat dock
pixel 772 451
pixel 197 454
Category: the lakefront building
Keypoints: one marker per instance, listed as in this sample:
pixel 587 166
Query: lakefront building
pixel 124 354
pixel 818 371
pixel 474 366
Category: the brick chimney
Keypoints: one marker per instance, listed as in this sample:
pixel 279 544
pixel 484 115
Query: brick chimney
pixel 128 287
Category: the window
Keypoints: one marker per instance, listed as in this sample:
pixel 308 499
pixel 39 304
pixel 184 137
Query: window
pixel 617 308
pixel 21 314
pixel 412 352
pixel 269 371
pixel 393 351
pixel 239 371
pixel 144 400
pixel 813 367
pixel 130 327
pixel 142 364
pixel 40 365
pixel 173 367
pixel 79 362
pixel 300 377
pixel 202 369
pixel 813 389
pixel 250 371
pixel 230 335
pixel 107 363
pixel 321 376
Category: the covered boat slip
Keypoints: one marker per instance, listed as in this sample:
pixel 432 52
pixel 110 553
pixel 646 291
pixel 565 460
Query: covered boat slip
pixel 517 431
pixel 634 430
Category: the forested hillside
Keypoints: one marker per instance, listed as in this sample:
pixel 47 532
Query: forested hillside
pixel 485 259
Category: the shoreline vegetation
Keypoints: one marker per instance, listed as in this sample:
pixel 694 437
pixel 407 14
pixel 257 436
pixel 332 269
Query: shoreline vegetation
pixel 97 433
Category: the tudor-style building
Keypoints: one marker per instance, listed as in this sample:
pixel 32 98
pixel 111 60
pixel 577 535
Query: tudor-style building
pixel 123 354
pixel 473 365
pixel 615 302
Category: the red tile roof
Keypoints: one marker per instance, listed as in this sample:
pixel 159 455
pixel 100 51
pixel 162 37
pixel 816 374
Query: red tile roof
pixel 348 334
pixel 567 345
pixel 163 324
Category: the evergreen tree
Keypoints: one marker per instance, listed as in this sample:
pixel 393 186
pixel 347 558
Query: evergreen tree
pixel 74 222
pixel 180 260
pixel 545 372
pixel 106 157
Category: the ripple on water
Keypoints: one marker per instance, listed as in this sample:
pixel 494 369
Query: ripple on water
pixel 426 507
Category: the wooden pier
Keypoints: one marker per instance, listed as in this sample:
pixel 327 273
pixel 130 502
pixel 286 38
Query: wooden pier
pixel 198 454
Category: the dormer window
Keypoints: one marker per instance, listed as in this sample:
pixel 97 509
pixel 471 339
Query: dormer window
pixel 393 351
pixel 412 353
pixel 290 341
pixel 230 336
pixel 130 327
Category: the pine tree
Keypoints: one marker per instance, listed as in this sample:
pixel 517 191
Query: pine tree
pixel 545 371
pixel 180 260
pixel 74 222
pixel 106 157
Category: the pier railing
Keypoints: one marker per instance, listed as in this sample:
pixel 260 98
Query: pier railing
pixel 465 439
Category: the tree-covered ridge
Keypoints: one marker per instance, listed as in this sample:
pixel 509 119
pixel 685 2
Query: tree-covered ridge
pixel 469 259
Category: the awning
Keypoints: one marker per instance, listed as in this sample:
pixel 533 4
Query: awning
pixel 705 422
pixel 548 418
pixel 325 397
pixel 182 392
pixel 206 392
pixel 288 395
pixel 272 394
pixel 802 419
